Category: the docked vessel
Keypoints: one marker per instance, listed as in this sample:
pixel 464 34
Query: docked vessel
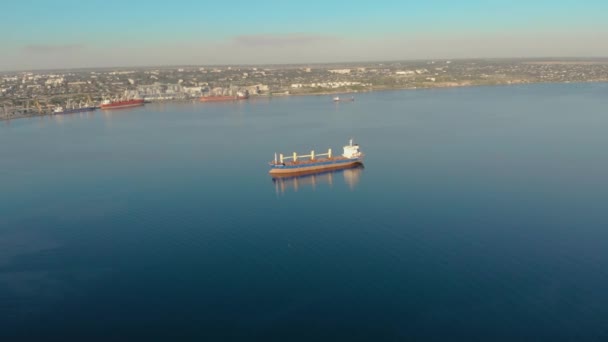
pixel 71 108
pixel 117 104
pixel 310 163
pixel 61 110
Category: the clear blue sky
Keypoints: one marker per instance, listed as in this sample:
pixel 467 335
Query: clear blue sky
pixel 64 33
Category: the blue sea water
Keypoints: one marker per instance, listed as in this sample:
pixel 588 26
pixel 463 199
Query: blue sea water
pixel 480 214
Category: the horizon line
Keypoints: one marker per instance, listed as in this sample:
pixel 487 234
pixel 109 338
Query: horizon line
pixel 149 66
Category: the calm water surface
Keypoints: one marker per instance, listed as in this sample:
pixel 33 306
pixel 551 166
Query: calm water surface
pixel 480 214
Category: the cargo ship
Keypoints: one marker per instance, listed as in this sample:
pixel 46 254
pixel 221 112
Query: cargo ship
pixel 71 108
pixel 61 110
pixel 295 163
pixel 118 104
pixel 222 98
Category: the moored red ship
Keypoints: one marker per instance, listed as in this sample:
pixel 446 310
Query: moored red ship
pixel 351 157
pixel 117 104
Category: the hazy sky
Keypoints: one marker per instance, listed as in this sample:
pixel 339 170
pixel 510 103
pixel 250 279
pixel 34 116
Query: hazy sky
pixel 99 33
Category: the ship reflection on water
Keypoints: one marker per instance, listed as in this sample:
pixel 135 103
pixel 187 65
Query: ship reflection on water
pixel 350 175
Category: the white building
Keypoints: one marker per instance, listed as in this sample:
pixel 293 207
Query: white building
pixel 339 71
pixel 54 81
pixel 192 91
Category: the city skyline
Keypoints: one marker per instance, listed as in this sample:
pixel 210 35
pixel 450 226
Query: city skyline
pixel 69 34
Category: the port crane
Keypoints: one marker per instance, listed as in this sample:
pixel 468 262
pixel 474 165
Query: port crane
pixel 38 106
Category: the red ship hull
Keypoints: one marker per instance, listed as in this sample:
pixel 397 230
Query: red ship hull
pixel 123 104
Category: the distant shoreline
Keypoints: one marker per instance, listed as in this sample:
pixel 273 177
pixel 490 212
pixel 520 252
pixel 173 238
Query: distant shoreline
pixel 349 92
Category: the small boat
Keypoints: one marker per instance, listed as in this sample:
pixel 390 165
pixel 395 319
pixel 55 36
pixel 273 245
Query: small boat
pixel 309 162
pixel 338 99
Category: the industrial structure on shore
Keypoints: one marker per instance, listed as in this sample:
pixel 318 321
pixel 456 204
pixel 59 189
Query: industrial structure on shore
pixel 33 93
